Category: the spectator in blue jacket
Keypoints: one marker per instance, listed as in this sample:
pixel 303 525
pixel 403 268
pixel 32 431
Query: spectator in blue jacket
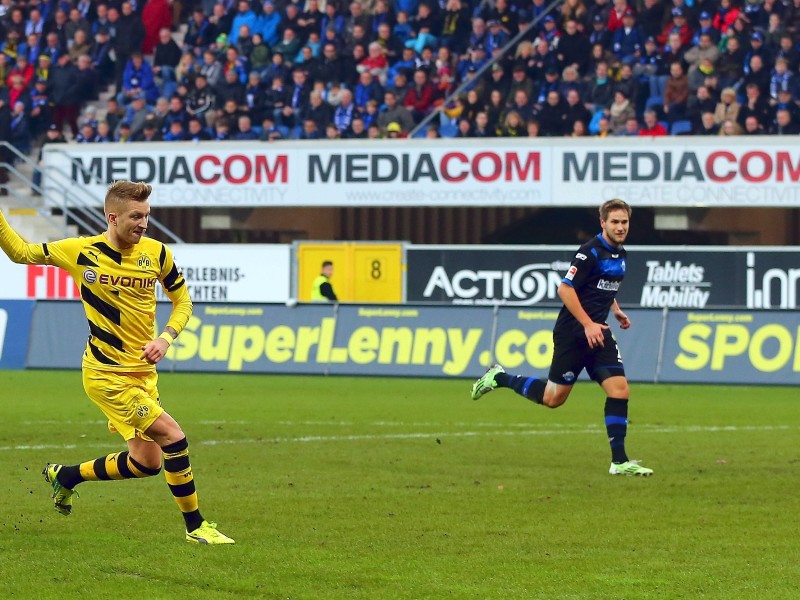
pixel 268 24
pixel 137 79
pixel 245 16
pixel 628 42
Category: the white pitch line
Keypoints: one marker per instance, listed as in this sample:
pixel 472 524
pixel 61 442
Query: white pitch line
pixel 422 435
pixel 418 435
pixel 313 423
pixel 64 422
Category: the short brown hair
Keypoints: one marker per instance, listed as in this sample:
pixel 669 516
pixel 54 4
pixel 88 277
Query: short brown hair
pixel 614 204
pixel 121 192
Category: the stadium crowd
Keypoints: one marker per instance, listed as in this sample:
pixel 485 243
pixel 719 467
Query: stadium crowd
pixel 274 69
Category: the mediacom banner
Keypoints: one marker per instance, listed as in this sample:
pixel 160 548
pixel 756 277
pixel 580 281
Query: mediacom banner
pixel 684 171
pixel 325 173
pixel 698 278
pixel 715 172
pixel 213 273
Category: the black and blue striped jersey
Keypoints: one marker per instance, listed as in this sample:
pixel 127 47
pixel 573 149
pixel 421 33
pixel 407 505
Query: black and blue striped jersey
pixel 596 272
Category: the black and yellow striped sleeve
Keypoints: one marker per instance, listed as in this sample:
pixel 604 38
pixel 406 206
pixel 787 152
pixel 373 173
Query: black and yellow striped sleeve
pixel 18 250
pixel 174 286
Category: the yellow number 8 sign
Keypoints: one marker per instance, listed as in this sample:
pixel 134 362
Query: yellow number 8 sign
pixel 368 272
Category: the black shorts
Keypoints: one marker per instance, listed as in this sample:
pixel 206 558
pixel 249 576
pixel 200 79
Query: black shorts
pixel 572 354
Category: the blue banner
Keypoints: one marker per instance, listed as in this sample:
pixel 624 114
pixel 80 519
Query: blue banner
pixel 15 327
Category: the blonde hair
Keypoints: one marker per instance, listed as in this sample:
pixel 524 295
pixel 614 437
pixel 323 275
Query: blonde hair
pixel 511 114
pixel 526 45
pixel 120 192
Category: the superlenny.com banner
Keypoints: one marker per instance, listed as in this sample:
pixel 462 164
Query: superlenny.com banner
pixel 740 347
pixel 731 347
pixel 420 341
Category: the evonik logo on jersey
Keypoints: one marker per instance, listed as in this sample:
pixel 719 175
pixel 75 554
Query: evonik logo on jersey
pixel 525 286
pixel 91 277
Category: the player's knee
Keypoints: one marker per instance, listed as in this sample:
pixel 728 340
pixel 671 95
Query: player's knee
pixel 148 465
pixel 154 469
pixel 553 401
pixel 621 391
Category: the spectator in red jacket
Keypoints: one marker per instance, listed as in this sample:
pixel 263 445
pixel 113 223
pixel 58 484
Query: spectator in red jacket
pixel 157 14
pixel 616 14
pixel 678 25
pixel 651 125
pixel 24 69
pixel 726 16
pixel 419 98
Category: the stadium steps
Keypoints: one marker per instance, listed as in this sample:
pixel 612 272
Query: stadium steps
pixel 28 214
pixel 30 218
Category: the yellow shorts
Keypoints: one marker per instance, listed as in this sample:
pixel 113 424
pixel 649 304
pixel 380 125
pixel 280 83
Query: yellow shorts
pixel 129 400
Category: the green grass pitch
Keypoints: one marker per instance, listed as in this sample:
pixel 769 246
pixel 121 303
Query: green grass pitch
pixel 400 488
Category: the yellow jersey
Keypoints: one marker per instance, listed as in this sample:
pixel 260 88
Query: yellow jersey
pixel 117 289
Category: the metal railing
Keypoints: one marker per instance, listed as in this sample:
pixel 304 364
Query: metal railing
pixel 60 224
pixel 59 190
pixel 69 183
pixel 486 66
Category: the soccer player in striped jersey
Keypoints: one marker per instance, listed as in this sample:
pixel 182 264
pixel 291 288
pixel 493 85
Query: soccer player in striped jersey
pixel 116 272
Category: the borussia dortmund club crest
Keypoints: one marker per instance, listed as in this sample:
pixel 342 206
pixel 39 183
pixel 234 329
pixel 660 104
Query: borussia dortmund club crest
pixel 144 262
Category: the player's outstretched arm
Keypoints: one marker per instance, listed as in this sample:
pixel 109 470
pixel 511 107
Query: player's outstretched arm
pixel 17 249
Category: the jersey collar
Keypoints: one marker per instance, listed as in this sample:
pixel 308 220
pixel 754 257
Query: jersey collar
pixel 607 245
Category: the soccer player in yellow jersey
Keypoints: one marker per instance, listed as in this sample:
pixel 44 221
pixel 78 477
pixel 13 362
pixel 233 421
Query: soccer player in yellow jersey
pixel 117 272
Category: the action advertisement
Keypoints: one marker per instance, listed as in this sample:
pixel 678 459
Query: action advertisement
pixel 486 275
pixel 699 278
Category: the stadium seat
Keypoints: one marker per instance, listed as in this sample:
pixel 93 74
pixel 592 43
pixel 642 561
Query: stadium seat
pixel 665 125
pixel 681 128
pixel 658 84
pixel 654 103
